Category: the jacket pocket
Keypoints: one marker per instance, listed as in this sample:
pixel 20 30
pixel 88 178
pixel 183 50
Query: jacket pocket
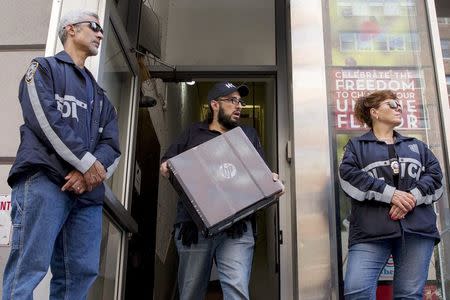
pixel 421 220
pixel 371 220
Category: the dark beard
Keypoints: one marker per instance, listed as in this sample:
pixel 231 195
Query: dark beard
pixel 225 120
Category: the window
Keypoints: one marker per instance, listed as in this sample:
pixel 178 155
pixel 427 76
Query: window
pixel 443 20
pixel 118 80
pixel 412 42
pixel 347 41
pixel 397 57
pixel 365 41
pixel 380 43
pixel 392 8
pixel 445 45
pixel 349 8
pixel 397 42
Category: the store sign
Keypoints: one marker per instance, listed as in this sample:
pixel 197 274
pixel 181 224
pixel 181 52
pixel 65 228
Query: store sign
pixel 5 219
pixel 350 84
pixel 388 271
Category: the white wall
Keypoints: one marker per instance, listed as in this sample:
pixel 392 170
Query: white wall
pixel 24 22
pixel 23 26
pixel 233 32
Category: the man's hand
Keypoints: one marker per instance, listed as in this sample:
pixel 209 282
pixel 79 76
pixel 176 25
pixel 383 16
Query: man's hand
pixel 403 200
pixel 164 170
pixel 95 175
pixel 396 213
pixel 188 234
pixel 237 230
pixel 275 177
pixel 75 183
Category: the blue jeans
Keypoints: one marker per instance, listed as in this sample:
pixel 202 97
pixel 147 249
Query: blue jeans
pixel 50 229
pixel 233 259
pixel 411 254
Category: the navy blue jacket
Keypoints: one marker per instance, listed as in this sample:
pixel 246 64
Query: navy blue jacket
pixel 366 177
pixel 56 136
pixel 197 134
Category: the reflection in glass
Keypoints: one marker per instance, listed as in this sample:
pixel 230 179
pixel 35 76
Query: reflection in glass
pixel 347 41
pixel 445 44
pixel 444 33
pixel 117 81
pixel 347 8
pixel 380 42
pixel 385 44
pixel 364 41
pixel 397 43
pixel 105 286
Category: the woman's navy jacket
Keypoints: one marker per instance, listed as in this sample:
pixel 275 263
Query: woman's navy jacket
pixel 56 136
pixel 366 177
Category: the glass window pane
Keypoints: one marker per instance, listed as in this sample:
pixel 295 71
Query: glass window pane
pixel 364 41
pixel 117 80
pixel 345 10
pixel 412 42
pixel 347 41
pixel 402 61
pixel 360 8
pixel 392 8
pixel 105 286
pixel 380 42
pixel 397 42
pixel 448 87
pixel 445 44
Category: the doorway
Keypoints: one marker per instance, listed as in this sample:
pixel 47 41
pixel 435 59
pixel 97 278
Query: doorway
pixel 183 104
pixel 141 245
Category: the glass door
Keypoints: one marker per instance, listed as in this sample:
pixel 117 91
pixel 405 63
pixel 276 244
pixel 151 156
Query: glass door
pixel 118 76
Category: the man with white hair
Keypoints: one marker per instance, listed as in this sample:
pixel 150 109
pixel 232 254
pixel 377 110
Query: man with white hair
pixel 69 146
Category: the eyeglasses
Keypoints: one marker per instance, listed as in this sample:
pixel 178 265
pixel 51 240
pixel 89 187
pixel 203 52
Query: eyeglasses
pixel 393 104
pixel 94 26
pixel 234 100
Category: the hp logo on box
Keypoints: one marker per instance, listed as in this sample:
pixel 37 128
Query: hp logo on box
pixel 227 170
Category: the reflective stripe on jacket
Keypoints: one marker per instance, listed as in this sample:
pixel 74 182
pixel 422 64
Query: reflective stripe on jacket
pixel 366 177
pixel 54 137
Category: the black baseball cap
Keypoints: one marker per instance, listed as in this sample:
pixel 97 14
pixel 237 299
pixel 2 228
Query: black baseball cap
pixel 225 88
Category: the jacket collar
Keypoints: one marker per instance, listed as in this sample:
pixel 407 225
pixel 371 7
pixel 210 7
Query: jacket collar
pixel 370 137
pixel 65 57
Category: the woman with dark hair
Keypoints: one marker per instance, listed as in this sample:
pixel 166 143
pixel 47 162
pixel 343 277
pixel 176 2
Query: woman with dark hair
pixel 392 181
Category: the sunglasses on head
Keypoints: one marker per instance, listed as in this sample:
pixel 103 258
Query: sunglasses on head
pixel 94 26
pixel 393 104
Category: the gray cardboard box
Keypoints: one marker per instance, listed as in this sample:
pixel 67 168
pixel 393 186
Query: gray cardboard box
pixel 225 180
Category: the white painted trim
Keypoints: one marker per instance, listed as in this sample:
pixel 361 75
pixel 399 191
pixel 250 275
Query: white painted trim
pixel 444 107
pixel 52 36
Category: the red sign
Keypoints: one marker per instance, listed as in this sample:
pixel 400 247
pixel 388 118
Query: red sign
pixel 5 220
pixel 350 84
pixel 5 204
pixel 385 292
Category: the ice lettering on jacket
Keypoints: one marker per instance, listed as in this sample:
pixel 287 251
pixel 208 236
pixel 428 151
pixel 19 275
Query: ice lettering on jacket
pixel 412 167
pixel 68 106
pixel 408 166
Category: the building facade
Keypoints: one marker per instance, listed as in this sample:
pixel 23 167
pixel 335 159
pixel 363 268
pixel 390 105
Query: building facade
pixel 306 62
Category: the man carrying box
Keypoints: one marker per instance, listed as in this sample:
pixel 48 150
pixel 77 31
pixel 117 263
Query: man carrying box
pixel 232 250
